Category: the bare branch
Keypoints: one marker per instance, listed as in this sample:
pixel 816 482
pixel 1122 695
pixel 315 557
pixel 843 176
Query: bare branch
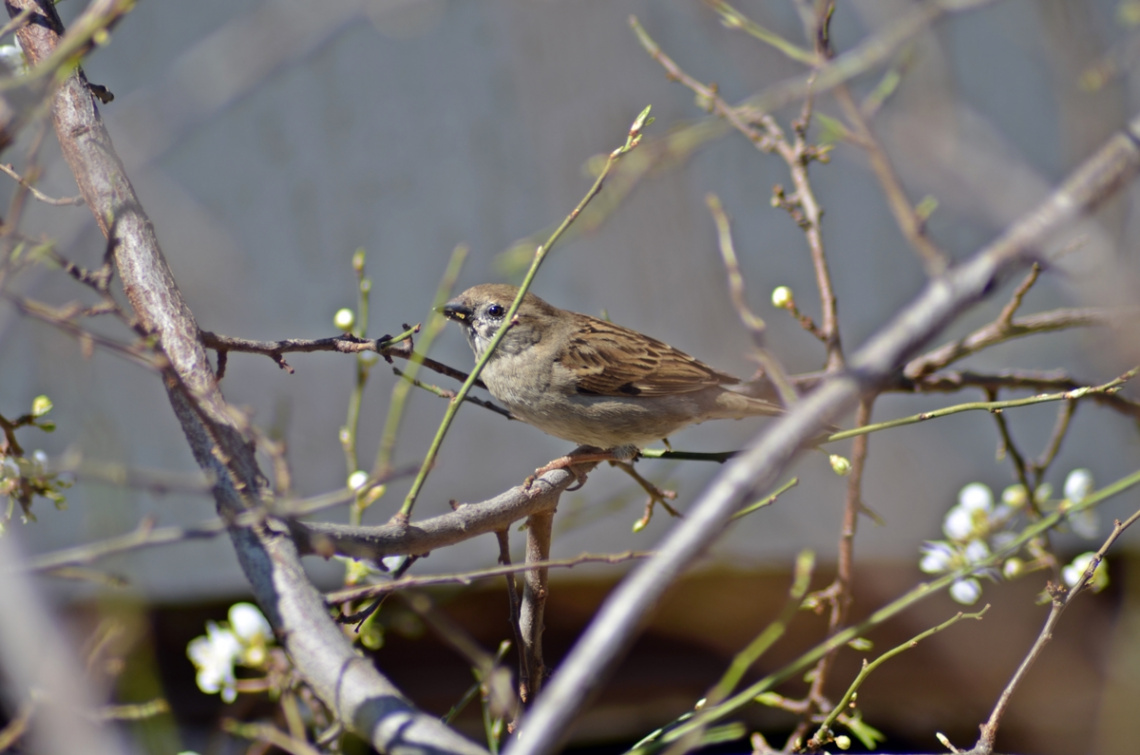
pixel 507 569
pixel 532 609
pixel 465 522
pixel 1112 167
pixel 1002 330
pixel 361 698
pixel 63 201
pixel 1062 599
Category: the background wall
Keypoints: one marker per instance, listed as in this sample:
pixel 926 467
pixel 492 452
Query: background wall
pixel 270 140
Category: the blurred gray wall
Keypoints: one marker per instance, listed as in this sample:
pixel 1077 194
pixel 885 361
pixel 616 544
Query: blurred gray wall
pixel 269 140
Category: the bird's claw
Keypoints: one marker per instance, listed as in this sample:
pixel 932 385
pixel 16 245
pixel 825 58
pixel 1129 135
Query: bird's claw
pixel 569 463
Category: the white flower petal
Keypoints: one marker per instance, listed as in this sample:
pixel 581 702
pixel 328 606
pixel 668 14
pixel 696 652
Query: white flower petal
pixel 976 497
pixel 966 591
pixel 959 523
pixel 937 557
pixel 976 551
pixel 1078 485
pixel 1085 523
pixel 1072 571
pixel 213 656
pixel 249 623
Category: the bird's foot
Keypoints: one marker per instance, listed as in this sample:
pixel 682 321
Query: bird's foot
pixel 580 455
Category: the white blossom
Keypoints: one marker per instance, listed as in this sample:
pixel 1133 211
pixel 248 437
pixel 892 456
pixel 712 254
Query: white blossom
pixel 966 591
pixel 976 497
pixel 959 523
pixel 1078 485
pixel 214 656
pixel 937 557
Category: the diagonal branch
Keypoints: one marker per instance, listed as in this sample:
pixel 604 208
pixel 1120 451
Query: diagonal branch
pixel 1002 330
pixel 359 695
pixel 942 299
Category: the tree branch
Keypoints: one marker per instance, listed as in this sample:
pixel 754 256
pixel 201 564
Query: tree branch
pixel 424 536
pixel 361 697
pixel 942 299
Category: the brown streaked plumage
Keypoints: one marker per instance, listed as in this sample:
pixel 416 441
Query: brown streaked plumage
pixel 592 382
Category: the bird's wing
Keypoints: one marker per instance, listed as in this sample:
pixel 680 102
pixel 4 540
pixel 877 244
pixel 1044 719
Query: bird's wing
pixel 609 360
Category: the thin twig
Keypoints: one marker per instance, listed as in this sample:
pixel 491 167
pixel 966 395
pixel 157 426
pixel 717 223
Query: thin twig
pixel 656 494
pixel 940 302
pixel 1062 599
pixel 752 322
pixel 1009 447
pixel 60 202
pixel 1005 317
pixel 736 293
pixel 913 227
pixel 450 394
pixel 362 369
pixel 1053 445
pixel 503 538
pixel 763 131
pixel 1031 380
pixel 840 593
pixel 767 500
pixel 1000 332
pixel 364 592
pixel 146 535
pixel 747 696
pixel 991 406
pixel 823 735
pixel 633 138
pixel 344 344
pixel 400 391
pixel 734 19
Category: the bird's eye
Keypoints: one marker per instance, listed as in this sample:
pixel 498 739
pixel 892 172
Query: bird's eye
pixel 496 310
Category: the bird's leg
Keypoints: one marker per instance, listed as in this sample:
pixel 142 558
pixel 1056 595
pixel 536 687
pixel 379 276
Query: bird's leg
pixel 580 455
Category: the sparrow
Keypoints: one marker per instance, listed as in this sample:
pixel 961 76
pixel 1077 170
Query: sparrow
pixel 592 382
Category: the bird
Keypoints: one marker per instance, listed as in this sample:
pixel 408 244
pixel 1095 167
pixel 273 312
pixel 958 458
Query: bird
pixel 591 382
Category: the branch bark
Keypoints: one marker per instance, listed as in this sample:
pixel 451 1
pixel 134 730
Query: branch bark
pixel 360 696
pixel 943 298
pixel 416 538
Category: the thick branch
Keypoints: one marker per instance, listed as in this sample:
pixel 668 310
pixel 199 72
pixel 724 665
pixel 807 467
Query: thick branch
pixel 363 699
pixel 940 301
pixel 532 612
pixel 417 538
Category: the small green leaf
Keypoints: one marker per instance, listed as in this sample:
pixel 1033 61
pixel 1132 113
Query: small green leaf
pixel 833 129
pixel 868 735
pixel 926 208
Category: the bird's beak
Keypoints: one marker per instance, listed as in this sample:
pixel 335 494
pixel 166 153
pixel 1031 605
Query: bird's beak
pixel 457 311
